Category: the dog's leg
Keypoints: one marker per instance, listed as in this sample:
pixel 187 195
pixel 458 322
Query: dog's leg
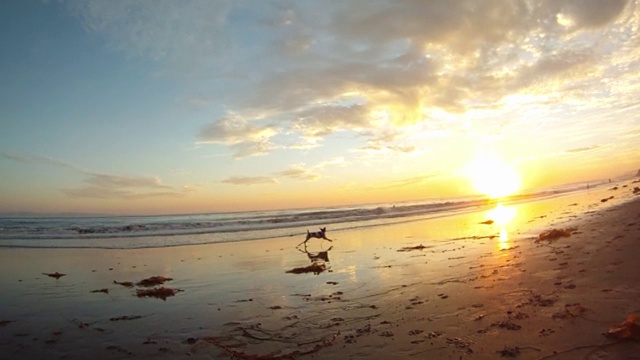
pixel 305 240
pixel 326 238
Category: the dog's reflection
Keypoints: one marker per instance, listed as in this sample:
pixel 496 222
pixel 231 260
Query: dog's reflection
pixel 316 257
pixel 319 261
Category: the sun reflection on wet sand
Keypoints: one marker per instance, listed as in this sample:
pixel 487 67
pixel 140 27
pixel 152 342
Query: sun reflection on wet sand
pixel 502 216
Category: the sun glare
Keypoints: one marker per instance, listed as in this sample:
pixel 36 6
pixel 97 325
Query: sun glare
pixel 492 177
pixel 502 215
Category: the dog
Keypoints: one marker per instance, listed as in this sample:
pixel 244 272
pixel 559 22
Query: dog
pixel 316 234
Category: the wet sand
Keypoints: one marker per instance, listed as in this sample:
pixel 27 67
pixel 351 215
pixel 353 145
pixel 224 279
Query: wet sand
pixel 446 288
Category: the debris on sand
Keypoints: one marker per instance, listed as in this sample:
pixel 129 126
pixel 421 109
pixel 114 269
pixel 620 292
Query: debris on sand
pixel 126 317
pixel 555 234
pixel 119 349
pixel 461 344
pixel 509 351
pixel 124 283
pixel 515 351
pixel 313 268
pixel 158 293
pixel 539 300
pixel 627 330
pixel 636 190
pixel 507 324
pixel 411 248
pixel 153 281
pixel 570 311
pixel 486 222
pixel 232 348
pixel 56 275
pixel 106 291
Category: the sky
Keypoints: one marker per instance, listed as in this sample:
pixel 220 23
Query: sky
pixel 166 107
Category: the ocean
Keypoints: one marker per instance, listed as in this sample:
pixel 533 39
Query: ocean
pixel 130 232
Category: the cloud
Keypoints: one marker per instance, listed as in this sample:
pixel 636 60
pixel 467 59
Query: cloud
pixel 312 70
pixel 115 181
pixel 403 182
pixel 372 148
pixel 583 149
pixel 107 186
pixel 38 159
pixel 244 138
pixel 313 173
pixel 630 134
pixel 589 13
pixel 233 130
pixel 299 172
pixel 249 180
pixel 98 192
pixel 319 121
pixel 336 161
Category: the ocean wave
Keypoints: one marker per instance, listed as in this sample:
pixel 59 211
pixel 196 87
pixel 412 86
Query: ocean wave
pixel 152 231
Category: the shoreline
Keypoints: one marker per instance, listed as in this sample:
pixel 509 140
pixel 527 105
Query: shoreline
pixel 467 292
pixel 110 235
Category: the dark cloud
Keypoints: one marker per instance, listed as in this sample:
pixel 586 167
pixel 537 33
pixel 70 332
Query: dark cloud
pixel 590 13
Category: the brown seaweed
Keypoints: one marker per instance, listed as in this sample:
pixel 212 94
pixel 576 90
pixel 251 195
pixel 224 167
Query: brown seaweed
pixel 56 275
pixel 153 281
pixel 124 283
pixel 555 234
pixel 411 248
pixel 158 293
pixel 626 330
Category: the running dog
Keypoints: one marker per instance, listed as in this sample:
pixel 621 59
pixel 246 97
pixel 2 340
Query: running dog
pixel 316 234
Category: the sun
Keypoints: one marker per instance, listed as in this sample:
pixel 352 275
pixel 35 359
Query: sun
pixel 491 176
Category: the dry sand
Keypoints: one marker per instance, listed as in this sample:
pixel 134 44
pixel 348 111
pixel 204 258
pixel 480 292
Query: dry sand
pixel 463 288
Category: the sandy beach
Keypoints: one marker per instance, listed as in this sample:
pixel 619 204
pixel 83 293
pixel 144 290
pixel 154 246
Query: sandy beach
pixel 478 285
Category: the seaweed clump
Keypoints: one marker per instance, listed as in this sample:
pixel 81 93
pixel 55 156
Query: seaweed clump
pixel 555 234
pixel 153 281
pixel 411 248
pixel 627 330
pixel 158 293
pixel 55 275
